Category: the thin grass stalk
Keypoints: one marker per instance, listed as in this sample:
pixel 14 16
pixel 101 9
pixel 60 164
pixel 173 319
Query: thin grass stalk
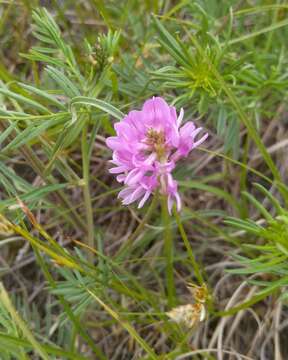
pixel 52 350
pixel 86 190
pixel 133 333
pixel 188 246
pixel 247 304
pixel 168 253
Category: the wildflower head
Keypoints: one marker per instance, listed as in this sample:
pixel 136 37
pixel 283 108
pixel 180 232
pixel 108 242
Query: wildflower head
pixel 147 145
pixel 189 315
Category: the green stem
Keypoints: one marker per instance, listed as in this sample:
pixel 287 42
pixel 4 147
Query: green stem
pixel 168 252
pixel 86 192
pixel 196 268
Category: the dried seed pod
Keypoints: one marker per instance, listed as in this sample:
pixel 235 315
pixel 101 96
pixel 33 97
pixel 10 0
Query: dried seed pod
pixel 188 315
pixel 200 293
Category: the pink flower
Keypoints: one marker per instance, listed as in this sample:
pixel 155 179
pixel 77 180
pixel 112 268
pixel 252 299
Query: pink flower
pixel 146 147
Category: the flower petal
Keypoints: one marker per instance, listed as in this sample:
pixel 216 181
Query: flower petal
pixel 144 199
pixel 135 195
pixel 157 113
pixel 114 143
pixel 180 117
pixel 200 141
pixel 134 176
pixel 117 170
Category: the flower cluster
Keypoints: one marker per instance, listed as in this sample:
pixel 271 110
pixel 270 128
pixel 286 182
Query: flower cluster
pixel 147 145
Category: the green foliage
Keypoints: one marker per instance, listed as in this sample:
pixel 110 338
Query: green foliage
pixel 83 67
pixel 193 72
pixel 269 250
